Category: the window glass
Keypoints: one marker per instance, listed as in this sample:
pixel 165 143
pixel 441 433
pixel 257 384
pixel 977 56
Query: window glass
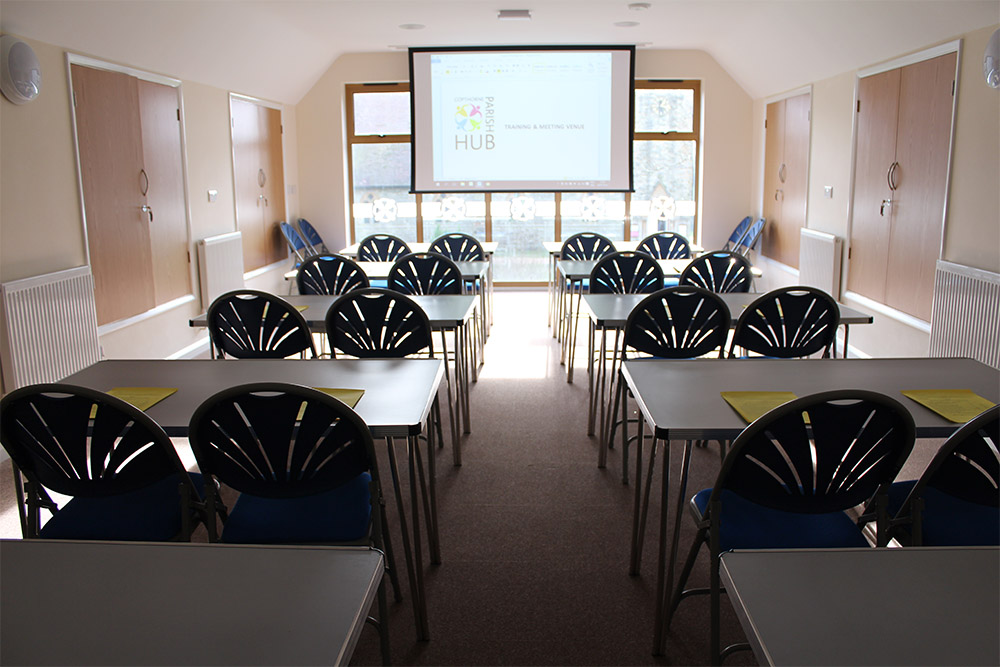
pixel 447 213
pixel 381 114
pixel 664 180
pixel 521 222
pixel 601 212
pixel 381 202
pixel 664 110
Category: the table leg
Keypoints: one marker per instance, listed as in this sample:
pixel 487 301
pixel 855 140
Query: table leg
pixel 413 453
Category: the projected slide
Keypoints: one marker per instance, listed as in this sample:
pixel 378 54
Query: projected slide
pixel 497 120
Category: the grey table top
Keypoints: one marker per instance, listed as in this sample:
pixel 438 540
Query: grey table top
pixel 470 270
pixel 443 310
pixel 682 401
pixel 116 603
pixel 398 392
pixel 912 606
pixel 555 247
pixel 612 310
pixel 579 269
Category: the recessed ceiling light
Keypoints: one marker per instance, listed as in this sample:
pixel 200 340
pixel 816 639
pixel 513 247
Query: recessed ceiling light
pixel 626 24
pixel 514 14
pixel 413 26
pixel 639 6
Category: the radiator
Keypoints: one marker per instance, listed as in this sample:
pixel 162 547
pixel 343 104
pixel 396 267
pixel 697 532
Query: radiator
pixel 965 314
pixel 819 261
pixel 220 265
pixel 50 327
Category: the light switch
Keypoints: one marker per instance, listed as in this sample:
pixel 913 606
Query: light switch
pixel 213 195
pixel 828 191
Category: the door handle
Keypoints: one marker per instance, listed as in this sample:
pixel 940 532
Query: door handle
pixel 261 198
pixel 148 210
pixel 776 192
pixel 144 188
pixel 881 209
pixel 891 176
pixel 781 172
pixel 261 177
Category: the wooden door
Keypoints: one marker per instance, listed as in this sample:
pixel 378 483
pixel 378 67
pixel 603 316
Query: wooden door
pixel 795 187
pixel 877 110
pixel 774 149
pixel 109 139
pixel 275 247
pixel 923 136
pixel 249 178
pixel 163 177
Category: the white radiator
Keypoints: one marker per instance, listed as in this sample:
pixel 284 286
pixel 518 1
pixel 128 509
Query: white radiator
pixel 965 317
pixel 50 327
pixel 819 261
pixel 220 265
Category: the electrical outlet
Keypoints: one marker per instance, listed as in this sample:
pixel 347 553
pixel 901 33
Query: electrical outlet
pixel 213 195
pixel 828 191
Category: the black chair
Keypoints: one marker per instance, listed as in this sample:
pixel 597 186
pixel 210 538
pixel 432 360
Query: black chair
pixel 382 248
pixel 788 322
pixel 738 233
pixel 665 245
pixel 249 324
pixel 586 245
pixel 124 476
pixel 626 273
pixel 719 271
pixel 422 273
pixel 956 502
pixel 458 247
pixel 312 237
pixel 789 478
pixel 330 274
pixel 304 465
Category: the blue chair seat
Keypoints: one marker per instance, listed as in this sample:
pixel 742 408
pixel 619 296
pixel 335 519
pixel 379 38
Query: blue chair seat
pixel 947 520
pixel 379 282
pixel 671 282
pixel 340 515
pixel 152 514
pixel 747 525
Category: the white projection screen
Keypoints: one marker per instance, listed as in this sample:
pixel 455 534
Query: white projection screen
pixel 522 119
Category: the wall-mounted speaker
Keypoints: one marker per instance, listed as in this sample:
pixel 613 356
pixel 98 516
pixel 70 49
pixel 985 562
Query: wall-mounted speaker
pixel 20 73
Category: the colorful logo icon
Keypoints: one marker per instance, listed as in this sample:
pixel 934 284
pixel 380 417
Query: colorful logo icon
pixel 468 117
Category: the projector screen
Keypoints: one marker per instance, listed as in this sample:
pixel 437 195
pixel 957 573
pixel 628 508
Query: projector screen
pixel 522 119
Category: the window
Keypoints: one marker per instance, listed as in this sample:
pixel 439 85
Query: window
pixel 665 161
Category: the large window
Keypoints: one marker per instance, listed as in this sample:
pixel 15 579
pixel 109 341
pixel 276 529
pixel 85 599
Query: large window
pixel 665 167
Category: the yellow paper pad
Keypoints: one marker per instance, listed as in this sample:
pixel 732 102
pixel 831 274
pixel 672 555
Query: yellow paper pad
pixel 955 405
pixel 348 396
pixel 141 397
pixel 752 404
pixel 301 308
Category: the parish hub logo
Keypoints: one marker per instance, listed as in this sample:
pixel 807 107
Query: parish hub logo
pixel 474 123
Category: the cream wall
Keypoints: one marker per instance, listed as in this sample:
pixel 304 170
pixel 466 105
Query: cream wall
pixel 972 227
pixel 41 226
pixel 726 151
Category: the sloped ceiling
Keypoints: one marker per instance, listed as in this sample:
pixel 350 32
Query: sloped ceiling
pixel 278 49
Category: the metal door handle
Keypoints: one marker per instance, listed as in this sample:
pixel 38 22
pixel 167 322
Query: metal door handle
pixel 261 177
pixel 144 188
pixel 781 172
pixel 776 195
pixel 881 209
pixel 148 210
pixel 892 176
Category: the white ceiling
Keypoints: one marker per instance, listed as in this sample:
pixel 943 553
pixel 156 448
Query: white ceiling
pixel 278 49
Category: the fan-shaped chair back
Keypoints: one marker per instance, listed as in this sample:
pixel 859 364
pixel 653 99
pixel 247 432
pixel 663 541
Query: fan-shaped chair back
pixel 956 501
pixel 665 245
pixel 678 323
pixel 296 245
pixel 375 322
pixel 425 273
pixel 330 274
pixel 118 464
pixel 626 273
pixel 382 248
pixel 585 246
pixel 748 243
pixel 738 233
pixel 788 322
pixel 459 247
pixel 312 237
pixel 822 453
pixel 719 271
pixel 249 324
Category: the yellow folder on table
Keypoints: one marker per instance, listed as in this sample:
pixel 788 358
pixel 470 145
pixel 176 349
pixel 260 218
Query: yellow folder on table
pixel 752 404
pixel 955 405
pixel 348 396
pixel 141 397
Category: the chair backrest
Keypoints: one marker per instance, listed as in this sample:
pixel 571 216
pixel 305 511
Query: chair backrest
pixel 458 247
pixel 83 443
pixel 382 248
pixel 788 322
pixel 296 245
pixel 626 273
pixel 748 243
pixel 966 467
pixel 821 453
pixel 312 237
pixel 330 274
pixel 280 440
pixel 719 271
pixel 680 322
pixel 585 246
pixel 738 233
pixel 425 273
pixel 375 322
pixel 665 245
pixel 249 324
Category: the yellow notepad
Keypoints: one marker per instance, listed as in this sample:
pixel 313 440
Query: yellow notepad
pixel 752 404
pixel 301 308
pixel 348 396
pixel 141 397
pixel 955 405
